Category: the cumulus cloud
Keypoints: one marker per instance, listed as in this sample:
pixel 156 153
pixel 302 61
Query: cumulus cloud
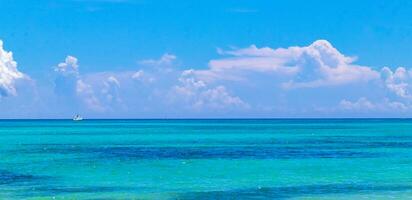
pixel 142 76
pixel 363 104
pixel 197 94
pixel 67 77
pixel 253 79
pixel 9 74
pixel 243 79
pixel 69 66
pixel 86 94
pixel 72 88
pixel 165 59
pixel 316 65
pixel 111 89
pixel 329 67
pixel 398 82
pixel 255 60
pixel 138 75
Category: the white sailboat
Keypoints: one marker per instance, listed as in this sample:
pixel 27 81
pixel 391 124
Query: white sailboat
pixel 77 118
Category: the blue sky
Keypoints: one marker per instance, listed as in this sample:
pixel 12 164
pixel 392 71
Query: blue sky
pixel 156 59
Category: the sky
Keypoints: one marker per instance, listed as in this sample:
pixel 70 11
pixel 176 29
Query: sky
pixel 205 59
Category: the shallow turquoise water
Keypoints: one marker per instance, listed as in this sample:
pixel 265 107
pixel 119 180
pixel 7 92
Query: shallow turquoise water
pixel 206 159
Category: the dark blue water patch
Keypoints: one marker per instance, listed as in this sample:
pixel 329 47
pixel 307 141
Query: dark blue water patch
pixel 289 192
pixel 226 153
pixel 12 178
pixel 21 183
pixel 265 148
pixel 315 142
pixel 56 190
pixel 53 190
pixel 368 137
pixel 356 143
pixel 210 152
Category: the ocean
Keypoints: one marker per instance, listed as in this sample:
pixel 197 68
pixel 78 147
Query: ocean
pixel 206 159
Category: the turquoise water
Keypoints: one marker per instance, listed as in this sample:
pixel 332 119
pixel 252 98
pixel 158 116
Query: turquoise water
pixel 206 159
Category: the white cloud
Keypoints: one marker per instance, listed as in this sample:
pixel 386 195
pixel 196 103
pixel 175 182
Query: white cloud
pixel 219 97
pixel 258 80
pixel 244 79
pixel 111 89
pixel 138 75
pixel 72 88
pixel 87 95
pixel 316 65
pixel 325 65
pixel 197 94
pixel 165 59
pixel 142 76
pixel 69 66
pixel 322 65
pixel 254 59
pixel 9 73
pixel 363 104
pixel 67 77
pixel 398 82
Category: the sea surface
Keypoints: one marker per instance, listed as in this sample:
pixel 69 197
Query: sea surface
pixel 206 159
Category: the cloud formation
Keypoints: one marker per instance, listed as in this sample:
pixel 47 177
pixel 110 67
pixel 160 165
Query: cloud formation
pixel 398 82
pixel 197 94
pixel 164 60
pixel 320 64
pixel 244 79
pixel 111 90
pixel 316 65
pixel 69 66
pixel 360 104
pixel 9 74
pixel 271 82
pixel 86 94
pixel 72 89
pixel 363 104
